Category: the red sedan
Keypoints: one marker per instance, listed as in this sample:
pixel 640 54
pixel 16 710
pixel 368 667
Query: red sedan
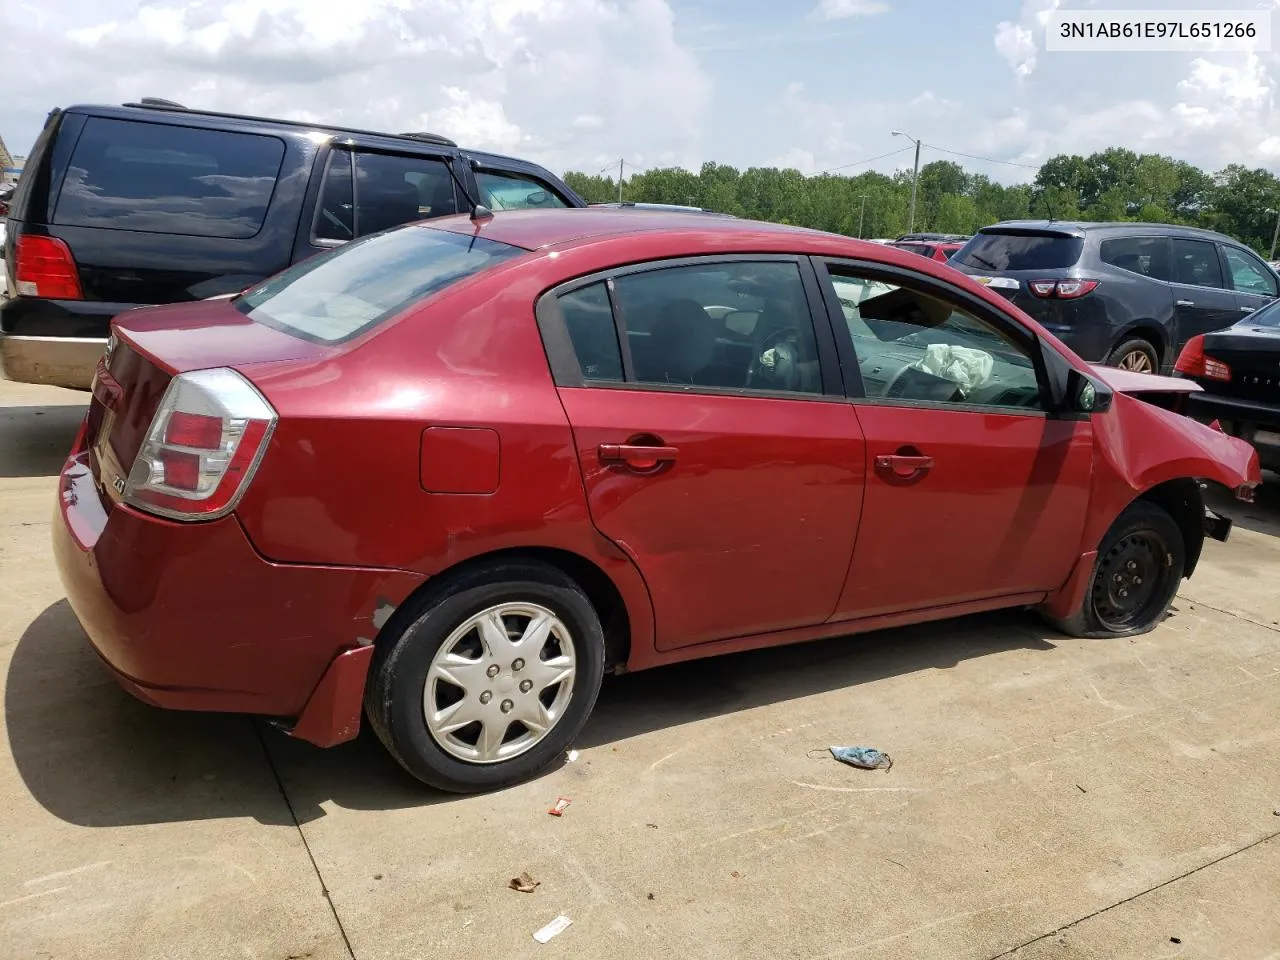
pixel 451 474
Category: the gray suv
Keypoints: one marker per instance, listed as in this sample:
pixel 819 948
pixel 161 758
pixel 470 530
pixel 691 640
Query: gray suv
pixel 1125 294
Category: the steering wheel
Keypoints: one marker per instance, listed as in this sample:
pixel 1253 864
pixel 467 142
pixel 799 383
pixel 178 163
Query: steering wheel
pixel 776 363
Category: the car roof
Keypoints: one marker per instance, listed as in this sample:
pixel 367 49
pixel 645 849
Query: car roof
pixel 1078 228
pixel 536 229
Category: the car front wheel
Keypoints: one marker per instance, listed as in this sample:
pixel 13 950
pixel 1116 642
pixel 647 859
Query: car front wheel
pixel 492 681
pixel 1139 566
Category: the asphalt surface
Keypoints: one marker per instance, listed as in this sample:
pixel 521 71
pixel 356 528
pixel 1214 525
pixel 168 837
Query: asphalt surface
pixel 1050 798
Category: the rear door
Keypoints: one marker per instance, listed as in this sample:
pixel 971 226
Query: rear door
pixel 715 443
pixel 1254 283
pixel 974 491
pixel 1202 301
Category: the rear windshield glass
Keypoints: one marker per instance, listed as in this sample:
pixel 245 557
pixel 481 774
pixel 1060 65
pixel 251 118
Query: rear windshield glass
pixel 1020 251
pixel 161 178
pixel 1268 316
pixel 336 295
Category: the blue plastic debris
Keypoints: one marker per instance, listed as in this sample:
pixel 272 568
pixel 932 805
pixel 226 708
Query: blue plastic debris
pixel 865 758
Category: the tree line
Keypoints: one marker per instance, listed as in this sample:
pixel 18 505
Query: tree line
pixel 1113 184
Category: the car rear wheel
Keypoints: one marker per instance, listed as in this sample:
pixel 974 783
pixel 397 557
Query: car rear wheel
pixel 1139 566
pixel 492 681
pixel 1137 355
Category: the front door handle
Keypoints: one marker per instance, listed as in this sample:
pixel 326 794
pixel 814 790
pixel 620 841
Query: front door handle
pixel 1184 303
pixel 636 456
pixel 903 465
pixel 1246 309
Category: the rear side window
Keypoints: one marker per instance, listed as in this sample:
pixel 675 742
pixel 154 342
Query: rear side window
pixel 1148 256
pixel 1195 262
pixel 1020 251
pixel 510 191
pixel 364 193
pixel 336 295
pixel 588 318
pixel 160 178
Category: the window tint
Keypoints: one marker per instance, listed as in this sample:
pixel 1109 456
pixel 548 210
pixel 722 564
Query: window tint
pixel 392 190
pixel 508 191
pixel 913 346
pixel 337 294
pixel 1249 275
pixel 727 325
pixel 589 320
pixel 159 178
pixel 335 213
pixel 1020 251
pixel 1195 262
pixel 1148 256
pixel 1268 316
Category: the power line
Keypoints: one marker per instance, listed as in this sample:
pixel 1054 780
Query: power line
pixel 970 156
pixel 858 163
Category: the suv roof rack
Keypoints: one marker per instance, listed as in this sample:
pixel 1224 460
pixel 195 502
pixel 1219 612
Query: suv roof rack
pixel 159 103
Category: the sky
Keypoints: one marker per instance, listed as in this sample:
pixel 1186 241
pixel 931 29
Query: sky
pixel 579 84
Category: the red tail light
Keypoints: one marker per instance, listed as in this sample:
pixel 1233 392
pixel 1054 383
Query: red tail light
pixel 1193 362
pixel 202 448
pixel 44 267
pixel 1062 289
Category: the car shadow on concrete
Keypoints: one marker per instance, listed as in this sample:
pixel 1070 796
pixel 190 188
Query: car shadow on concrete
pixel 34 441
pixel 92 755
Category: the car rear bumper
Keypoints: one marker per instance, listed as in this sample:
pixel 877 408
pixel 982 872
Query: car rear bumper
pixel 190 616
pixel 53 361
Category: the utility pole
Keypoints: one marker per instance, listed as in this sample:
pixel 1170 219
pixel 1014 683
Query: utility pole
pixel 915 179
pixel 620 182
pixel 861 215
pixel 1274 237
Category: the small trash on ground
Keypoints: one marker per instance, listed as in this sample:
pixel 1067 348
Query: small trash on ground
pixel 571 756
pixel 649 896
pixel 556 927
pixel 561 805
pixel 1175 939
pixel 524 883
pixel 864 758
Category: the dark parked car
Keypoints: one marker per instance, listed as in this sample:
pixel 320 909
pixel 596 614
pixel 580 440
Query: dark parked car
pixel 1126 294
pixel 453 473
pixel 1239 371
pixel 153 203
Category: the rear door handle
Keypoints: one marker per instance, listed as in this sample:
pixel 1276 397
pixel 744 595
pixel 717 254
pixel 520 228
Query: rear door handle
pixel 1246 309
pixel 636 456
pixel 1184 303
pixel 903 465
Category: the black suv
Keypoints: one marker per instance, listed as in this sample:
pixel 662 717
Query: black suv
pixel 1125 294
pixel 154 203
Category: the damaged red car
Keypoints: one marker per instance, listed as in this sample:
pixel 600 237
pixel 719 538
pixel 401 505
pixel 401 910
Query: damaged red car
pixel 449 475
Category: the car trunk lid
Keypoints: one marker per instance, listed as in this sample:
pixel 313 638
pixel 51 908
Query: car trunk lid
pixel 1253 355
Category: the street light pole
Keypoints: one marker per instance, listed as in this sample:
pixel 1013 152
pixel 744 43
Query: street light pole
pixel 861 215
pixel 915 179
pixel 1274 237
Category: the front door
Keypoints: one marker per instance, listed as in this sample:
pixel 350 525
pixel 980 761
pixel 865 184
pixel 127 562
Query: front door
pixel 1254 282
pixel 1202 301
pixel 973 491
pixel 715 447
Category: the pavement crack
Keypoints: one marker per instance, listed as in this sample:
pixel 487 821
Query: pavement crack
pixel 1120 903
pixel 1236 614
pixel 324 887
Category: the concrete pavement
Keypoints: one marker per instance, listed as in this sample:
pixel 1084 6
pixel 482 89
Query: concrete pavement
pixel 1049 797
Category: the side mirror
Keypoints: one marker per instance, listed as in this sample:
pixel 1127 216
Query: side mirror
pixel 1085 394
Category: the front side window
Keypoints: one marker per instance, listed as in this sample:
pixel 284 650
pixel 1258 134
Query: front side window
pixel 1195 262
pixel 1249 275
pixel 510 191
pixel 336 295
pixel 733 326
pixel 162 178
pixel 1146 256
pixel 913 347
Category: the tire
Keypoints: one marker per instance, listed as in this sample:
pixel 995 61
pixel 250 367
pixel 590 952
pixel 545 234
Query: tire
pixel 1145 535
pixel 405 677
pixel 1135 351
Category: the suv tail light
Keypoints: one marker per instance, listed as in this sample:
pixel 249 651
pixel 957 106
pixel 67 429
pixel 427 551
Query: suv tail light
pixel 209 433
pixel 1062 289
pixel 1193 362
pixel 44 267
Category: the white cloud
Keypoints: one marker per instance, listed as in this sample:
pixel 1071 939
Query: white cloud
pixel 796 158
pixel 1017 42
pixel 843 9
pixel 556 81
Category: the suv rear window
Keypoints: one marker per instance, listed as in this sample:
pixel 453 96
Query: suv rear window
pixel 334 296
pixel 1020 251
pixel 161 178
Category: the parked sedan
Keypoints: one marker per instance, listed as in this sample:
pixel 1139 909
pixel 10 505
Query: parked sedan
pixel 451 474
